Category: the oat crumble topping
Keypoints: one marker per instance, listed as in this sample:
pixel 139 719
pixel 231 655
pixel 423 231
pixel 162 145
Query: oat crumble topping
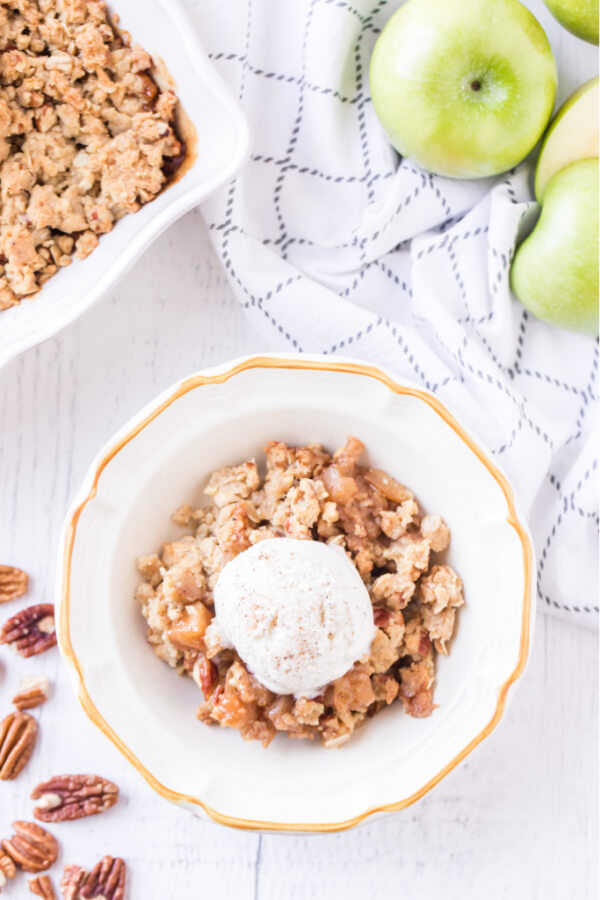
pixel 307 494
pixel 86 136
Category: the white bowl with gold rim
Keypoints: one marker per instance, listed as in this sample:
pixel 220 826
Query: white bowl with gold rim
pixel 218 145
pixel 160 460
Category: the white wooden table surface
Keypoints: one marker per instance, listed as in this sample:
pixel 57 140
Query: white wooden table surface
pixel 518 820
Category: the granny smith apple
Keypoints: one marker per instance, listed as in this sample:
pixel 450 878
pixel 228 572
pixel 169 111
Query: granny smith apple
pixel 464 87
pixel 555 270
pixel 572 135
pixel 580 17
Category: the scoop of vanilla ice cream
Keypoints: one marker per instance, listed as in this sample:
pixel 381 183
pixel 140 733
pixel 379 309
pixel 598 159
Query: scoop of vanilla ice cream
pixel 296 612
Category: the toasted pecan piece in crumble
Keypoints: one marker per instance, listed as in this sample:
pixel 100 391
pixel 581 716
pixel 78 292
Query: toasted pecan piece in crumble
pixel 206 674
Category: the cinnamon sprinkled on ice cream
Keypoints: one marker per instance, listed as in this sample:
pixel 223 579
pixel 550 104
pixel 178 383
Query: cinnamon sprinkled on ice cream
pixel 297 613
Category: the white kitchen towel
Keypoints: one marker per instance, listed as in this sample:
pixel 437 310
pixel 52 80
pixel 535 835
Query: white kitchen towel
pixel 334 245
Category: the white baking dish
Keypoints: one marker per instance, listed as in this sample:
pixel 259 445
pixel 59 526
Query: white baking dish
pixel 163 28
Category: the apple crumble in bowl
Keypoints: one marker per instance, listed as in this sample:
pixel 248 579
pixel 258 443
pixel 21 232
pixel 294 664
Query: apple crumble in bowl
pixel 279 637
pixel 349 605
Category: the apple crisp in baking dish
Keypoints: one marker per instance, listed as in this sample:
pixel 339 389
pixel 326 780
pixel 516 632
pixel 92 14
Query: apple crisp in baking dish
pixel 237 603
pixel 86 136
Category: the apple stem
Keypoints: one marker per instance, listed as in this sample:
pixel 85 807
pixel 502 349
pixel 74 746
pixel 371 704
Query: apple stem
pixel 476 85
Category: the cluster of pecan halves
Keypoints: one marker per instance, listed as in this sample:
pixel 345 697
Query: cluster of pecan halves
pixel 33 849
pixel 61 798
pixel 29 632
pixel 32 630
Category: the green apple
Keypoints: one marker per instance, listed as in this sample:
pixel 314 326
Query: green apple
pixel 463 87
pixel 572 135
pixel 555 270
pixel 580 17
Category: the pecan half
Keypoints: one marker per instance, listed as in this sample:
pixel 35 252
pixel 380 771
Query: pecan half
pixel 30 631
pixel 18 734
pixel 67 797
pixel 73 879
pixel 381 617
pixel 13 583
pixel 205 674
pixel 31 847
pixel 41 886
pixel 32 692
pixel 106 880
pixel 7 868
